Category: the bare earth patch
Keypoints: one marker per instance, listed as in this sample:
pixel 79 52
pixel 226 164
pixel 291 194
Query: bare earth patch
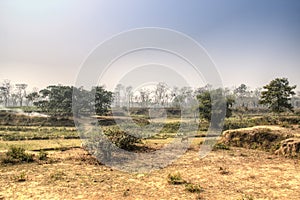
pixel 231 174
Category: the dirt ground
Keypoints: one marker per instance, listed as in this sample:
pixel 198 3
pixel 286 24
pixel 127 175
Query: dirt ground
pixel 224 174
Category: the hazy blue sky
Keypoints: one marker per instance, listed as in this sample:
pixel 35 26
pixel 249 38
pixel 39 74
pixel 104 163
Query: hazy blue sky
pixel 251 41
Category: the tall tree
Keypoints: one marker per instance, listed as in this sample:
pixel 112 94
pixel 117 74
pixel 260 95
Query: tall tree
pixel 161 93
pixel 56 100
pixel 208 99
pixel 277 95
pixel 118 94
pixel 5 90
pixel 32 97
pixel 241 92
pixel 21 92
pixel 103 100
pixel 129 96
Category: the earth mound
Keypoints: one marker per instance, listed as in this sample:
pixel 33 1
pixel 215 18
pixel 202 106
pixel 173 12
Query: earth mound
pixel 289 148
pixel 266 138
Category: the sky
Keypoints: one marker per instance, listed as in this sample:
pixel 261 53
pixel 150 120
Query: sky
pixel 250 42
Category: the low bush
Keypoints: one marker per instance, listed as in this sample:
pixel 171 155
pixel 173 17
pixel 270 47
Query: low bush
pixel 176 179
pixel 17 155
pixel 122 139
pixel 103 144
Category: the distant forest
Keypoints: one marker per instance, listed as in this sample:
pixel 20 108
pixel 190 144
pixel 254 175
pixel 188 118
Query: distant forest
pixel 58 98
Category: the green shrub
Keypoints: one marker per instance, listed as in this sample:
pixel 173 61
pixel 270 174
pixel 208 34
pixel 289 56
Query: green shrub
pixel 122 139
pixel 17 155
pixel 102 145
pixel 176 179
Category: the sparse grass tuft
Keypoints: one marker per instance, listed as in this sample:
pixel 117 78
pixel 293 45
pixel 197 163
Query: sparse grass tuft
pixel 176 179
pixel 193 188
pixel 59 175
pixel 43 155
pixel 21 177
pixel 224 171
pixel 247 197
pixel 221 146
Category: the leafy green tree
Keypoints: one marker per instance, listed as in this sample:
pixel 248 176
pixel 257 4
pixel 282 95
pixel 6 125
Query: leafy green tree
pixel 57 100
pixel 277 95
pixel 241 93
pixel 32 97
pixel 206 104
pixel 103 100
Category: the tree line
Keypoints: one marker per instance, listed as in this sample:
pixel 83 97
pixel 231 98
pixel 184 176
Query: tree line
pixel 278 96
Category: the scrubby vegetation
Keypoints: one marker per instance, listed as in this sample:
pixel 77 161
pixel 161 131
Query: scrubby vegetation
pixel 17 155
pixel 176 179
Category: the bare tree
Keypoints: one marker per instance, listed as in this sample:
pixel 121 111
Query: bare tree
pixel 5 90
pixel 129 95
pixel 21 92
pixel 144 97
pixel 161 93
pixel 118 95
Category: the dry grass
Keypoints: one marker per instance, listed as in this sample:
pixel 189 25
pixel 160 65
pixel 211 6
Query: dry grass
pixel 41 144
pixel 76 175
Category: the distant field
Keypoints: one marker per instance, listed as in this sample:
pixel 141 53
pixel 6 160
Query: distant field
pixel 12 133
pixel 41 144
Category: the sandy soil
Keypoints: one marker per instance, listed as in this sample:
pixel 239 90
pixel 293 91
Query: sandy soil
pixel 233 174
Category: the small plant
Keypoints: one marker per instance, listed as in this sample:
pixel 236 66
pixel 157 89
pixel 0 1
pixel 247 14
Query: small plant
pixel 60 175
pixel 224 171
pixel 176 179
pixel 247 197
pixel 17 155
pixel 193 188
pixel 43 155
pixel 21 178
pixel 221 146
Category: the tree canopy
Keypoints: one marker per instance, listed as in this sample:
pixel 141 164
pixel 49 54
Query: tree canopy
pixel 209 99
pixel 57 100
pixel 277 95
